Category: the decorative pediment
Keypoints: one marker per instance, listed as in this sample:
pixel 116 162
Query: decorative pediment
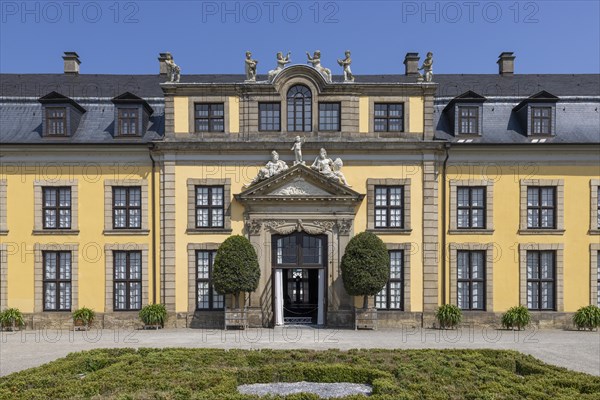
pixel 300 184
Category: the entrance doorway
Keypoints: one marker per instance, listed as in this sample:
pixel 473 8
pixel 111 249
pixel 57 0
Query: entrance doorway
pixel 299 264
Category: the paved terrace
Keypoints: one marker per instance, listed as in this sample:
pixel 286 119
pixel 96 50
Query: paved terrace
pixel 578 351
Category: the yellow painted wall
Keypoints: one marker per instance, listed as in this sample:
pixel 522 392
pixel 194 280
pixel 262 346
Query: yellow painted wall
pixel 363 114
pixel 415 118
pixel 506 224
pixel 357 176
pixel 181 117
pixel 91 262
pixel 234 114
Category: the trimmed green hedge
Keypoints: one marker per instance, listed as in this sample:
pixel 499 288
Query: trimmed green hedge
pixel 215 374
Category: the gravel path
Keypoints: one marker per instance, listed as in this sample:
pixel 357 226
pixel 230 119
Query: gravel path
pixel 579 351
pixel 323 390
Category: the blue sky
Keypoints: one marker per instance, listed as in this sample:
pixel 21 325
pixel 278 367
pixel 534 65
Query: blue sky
pixel 123 37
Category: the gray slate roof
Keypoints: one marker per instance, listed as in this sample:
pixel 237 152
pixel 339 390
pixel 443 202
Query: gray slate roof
pixel 21 122
pixel 450 85
pixel 578 117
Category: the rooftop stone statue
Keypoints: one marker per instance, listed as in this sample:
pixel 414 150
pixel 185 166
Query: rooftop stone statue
pixel 250 67
pixel 315 60
pixel 281 63
pixel 427 69
pixel 345 63
pixel 173 70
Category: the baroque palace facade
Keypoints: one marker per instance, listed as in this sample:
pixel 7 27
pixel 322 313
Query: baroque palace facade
pixel 116 191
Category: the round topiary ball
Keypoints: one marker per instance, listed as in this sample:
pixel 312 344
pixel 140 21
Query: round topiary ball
pixel 236 267
pixel 365 265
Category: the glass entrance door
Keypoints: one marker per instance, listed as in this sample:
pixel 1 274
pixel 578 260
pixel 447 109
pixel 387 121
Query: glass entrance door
pixel 299 262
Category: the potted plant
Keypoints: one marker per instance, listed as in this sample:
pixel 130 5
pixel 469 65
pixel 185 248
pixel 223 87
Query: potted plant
pixel 11 318
pixel 365 271
pixel 448 316
pixel 153 316
pixel 587 318
pixel 236 271
pixel 83 318
pixel 518 317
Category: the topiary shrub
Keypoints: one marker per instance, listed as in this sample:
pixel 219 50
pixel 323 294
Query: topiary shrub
pixel 587 317
pixel 154 314
pixel 518 317
pixel 448 316
pixel 11 318
pixel 365 266
pixel 236 268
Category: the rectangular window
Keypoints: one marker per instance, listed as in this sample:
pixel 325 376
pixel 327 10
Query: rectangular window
pixel 470 290
pixel 389 117
pixel 541 285
pixel 57 280
pixel 329 116
pixel 541 120
pixel 470 207
pixel 598 276
pixel 391 296
pixel 56 121
pixel 389 206
pixel 598 206
pixel 127 207
pixel 269 117
pixel 210 206
pixel 207 297
pixel 468 120
pixel 541 207
pixel 128 121
pixel 127 280
pixel 209 117
pixel 56 207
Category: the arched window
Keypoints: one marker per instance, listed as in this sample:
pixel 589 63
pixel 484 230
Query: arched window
pixel 299 109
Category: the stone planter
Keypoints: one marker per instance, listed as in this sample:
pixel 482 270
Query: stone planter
pixel 365 318
pixel 81 325
pixel 12 327
pixel 236 318
pixel 153 326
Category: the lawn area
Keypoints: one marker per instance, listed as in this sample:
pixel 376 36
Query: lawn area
pixel 215 374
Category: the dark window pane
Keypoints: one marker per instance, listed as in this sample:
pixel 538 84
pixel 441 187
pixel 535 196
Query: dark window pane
pixel 389 117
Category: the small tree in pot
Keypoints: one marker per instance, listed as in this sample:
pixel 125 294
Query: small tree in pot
pixel 236 271
pixel 83 318
pixel 365 267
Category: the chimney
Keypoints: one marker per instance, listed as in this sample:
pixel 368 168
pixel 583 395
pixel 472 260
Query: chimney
pixel 162 57
pixel 506 63
pixel 411 63
pixel 71 63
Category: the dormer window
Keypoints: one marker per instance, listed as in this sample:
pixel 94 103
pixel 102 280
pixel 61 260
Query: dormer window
pixel 60 115
pixel 128 121
pixel 56 121
pixel 464 114
pixel 132 115
pixel 536 114
pixel 541 120
pixel 468 120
